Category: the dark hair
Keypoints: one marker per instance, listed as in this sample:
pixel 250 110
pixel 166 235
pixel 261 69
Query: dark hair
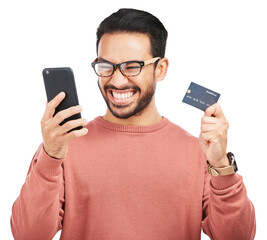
pixel 132 20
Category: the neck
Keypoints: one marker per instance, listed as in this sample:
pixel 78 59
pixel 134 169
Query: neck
pixel 148 116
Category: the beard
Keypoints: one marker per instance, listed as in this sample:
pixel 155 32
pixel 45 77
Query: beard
pixel 127 111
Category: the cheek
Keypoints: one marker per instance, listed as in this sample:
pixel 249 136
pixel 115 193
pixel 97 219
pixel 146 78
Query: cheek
pixel 146 81
pixel 100 86
pixel 101 83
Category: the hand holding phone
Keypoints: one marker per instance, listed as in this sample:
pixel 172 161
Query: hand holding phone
pixel 62 120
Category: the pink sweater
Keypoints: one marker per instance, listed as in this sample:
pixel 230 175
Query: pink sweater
pixel 122 182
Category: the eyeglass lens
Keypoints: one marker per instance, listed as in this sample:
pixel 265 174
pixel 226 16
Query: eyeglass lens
pixel 104 69
pixel 127 68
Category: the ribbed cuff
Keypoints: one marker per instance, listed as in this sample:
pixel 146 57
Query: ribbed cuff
pixel 223 182
pixel 48 165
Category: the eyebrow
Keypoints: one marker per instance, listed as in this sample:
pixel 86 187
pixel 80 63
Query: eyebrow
pixel 105 60
pixel 100 59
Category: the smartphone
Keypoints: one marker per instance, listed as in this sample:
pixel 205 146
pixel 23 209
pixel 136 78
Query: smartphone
pixel 58 80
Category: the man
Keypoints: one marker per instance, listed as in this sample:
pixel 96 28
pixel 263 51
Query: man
pixel 131 174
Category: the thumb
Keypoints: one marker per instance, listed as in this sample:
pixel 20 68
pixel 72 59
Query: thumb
pixel 214 110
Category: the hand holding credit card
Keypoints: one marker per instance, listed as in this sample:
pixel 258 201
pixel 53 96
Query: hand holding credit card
pixel 200 97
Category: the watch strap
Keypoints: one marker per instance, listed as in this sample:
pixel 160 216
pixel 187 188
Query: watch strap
pixel 224 171
pixel 220 171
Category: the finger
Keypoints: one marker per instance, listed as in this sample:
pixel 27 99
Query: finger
pixel 51 106
pixel 214 110
pixel 203 143
pixel 216 135
pixel 209 120
pixel 62 115
pixel 75 134
pixel 213 120
pixel 72 124
pixel 208 127
pixel 208 137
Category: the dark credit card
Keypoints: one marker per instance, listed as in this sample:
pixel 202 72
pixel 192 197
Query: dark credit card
pixel 200 97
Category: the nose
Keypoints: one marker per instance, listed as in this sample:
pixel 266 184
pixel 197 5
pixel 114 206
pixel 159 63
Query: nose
pixel 118 79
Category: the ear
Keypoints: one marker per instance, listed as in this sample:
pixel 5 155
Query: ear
pixel 161 69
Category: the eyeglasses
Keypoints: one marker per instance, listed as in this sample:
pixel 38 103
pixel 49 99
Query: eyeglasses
pixel 128 69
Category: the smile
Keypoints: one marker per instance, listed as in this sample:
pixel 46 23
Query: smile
pixel 121 96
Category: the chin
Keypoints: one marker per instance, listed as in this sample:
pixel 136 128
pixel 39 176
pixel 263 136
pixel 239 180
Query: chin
pixel 119 113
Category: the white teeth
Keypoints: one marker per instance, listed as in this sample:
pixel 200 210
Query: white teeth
pixel 121 96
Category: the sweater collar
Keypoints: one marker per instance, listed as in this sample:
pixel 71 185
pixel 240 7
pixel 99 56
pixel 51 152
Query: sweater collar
pixel 131 128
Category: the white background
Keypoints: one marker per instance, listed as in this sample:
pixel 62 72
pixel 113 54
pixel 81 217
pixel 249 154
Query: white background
pixel 221 45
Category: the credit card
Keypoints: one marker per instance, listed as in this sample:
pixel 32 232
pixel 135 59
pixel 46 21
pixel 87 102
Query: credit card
pixel 200 97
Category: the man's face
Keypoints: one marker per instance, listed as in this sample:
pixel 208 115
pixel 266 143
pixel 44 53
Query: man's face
pixel 126 96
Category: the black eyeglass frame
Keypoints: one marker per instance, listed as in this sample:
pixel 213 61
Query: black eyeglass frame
pixel 115 66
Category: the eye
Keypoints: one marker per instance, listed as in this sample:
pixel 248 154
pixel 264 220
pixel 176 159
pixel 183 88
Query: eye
pixel 104 66
pixel 131 67
pixel 103 69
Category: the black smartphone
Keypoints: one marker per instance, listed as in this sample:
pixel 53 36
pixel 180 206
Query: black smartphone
pixel 58 80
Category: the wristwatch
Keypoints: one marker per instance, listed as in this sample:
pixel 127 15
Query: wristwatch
pixel 224 170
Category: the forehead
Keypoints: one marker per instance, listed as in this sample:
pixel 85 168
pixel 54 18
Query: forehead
pixel 121 46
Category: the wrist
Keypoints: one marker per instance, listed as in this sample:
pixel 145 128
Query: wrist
pixel 223 162
pixel 229 169
pixel 59 155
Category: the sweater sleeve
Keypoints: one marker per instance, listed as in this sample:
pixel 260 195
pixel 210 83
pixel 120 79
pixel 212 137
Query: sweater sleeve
pixel 38 211
pixel 227 211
